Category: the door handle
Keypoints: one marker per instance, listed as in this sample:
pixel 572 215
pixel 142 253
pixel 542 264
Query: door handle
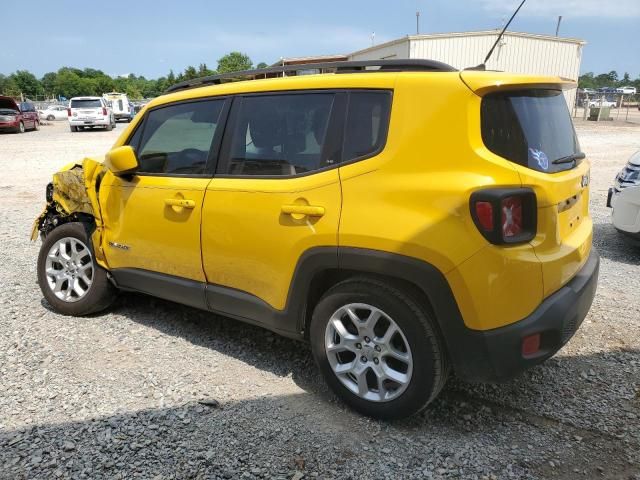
pixel 310 210
pixel 179 202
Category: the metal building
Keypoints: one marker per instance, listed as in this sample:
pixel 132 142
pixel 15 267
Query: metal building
pixel 517 52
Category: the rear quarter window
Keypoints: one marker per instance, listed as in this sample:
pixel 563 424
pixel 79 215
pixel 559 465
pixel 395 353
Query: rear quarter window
pixel 529 127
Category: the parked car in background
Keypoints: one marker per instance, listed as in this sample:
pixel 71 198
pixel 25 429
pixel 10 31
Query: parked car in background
pixel 624 199
pixel 598 102
pixel 17 117
pixel 54 112
pixel 89 112
pixel 627 90
pixel 589 91
pixel 121 106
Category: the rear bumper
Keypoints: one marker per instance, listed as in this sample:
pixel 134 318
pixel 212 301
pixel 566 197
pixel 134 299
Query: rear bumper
pixel 88 123
pixel 496 355
pixel 120 116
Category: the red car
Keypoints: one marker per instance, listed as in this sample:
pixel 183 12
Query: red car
pixel 17 117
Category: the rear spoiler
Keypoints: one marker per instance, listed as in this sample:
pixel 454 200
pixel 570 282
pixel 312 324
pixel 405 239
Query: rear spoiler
pixel 483 82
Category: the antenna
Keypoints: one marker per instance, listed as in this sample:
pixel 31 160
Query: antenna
pixel 373 38
pixel 558 26
pixel 483 65
pixel 417 22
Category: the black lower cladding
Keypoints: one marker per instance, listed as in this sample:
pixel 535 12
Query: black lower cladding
pixel 482 356
pixel 496 355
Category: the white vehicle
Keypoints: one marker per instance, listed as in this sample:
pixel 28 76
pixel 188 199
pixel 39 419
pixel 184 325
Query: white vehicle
pixel 624 199
pixel 53 112
pixel 597 102
pixel 89 112
pixel 122 107
pixel 626 90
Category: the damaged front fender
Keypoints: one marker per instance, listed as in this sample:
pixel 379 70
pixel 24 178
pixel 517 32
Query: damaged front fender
pixel 74 197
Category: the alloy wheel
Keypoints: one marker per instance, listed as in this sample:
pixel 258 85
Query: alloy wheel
pixel 69 269
pixel 368 352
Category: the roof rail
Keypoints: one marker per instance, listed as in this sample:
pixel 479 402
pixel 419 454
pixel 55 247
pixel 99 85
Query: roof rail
pixel 409 65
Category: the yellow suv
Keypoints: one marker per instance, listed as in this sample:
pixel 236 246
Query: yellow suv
pixel 405 218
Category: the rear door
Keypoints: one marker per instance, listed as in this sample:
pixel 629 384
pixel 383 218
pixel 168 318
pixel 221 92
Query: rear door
pixel 276 193
pixel 86 109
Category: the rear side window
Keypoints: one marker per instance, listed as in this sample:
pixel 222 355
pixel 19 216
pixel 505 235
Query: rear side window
pixel 367 124
pixel 279 135
pixel 177 139
pixel 529 127
pixel 95 103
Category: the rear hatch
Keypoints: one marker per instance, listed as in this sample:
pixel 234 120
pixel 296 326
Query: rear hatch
pixel 86 109
pixel 526 121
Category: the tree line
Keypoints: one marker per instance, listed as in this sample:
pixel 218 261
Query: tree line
pixel 73 82
pixel 611 79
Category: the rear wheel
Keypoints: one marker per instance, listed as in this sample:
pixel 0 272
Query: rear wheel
pixel 50 118
pixel 109 127
pixel 68 275
pixel 378 348
pixel 73 129
pixel 36 125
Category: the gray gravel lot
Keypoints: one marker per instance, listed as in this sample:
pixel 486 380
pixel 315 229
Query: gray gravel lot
pixel 151 389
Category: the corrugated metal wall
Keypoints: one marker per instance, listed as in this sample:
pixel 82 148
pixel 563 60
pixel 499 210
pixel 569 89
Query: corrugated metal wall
pixel 524 53
pixel 391 50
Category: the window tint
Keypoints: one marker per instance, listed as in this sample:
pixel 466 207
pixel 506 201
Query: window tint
pixel 280 134
pixel 367 124
pixel 91 103
pixel 529 127
pixel 177 139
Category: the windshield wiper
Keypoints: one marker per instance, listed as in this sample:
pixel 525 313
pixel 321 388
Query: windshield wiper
pixel 570 158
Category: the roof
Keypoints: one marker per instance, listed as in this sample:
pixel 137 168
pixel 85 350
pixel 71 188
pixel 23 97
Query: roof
pixel 480 33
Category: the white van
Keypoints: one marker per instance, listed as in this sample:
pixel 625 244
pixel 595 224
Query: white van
pixel 122 108
pixel 626 90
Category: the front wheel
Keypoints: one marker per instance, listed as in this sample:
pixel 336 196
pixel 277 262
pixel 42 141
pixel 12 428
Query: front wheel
pixel 68 275
pixel 378 348
pixel 20 128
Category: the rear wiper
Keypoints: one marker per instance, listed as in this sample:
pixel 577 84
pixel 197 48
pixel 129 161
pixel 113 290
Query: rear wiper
pixel 569 158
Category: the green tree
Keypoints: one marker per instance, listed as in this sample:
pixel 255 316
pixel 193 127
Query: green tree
pixel 27 83
pixel 233 62
pixel 262 65
pixel 190 73
pixel 8 86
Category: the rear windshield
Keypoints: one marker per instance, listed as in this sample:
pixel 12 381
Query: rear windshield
pixel 529 127
pixel 86 103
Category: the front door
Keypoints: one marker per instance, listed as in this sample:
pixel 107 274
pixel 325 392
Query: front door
pixel 275 194
pixel 153 217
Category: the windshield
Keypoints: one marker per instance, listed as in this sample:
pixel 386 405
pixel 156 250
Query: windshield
pixel 7 111
pixel 530 127
pixel 86 103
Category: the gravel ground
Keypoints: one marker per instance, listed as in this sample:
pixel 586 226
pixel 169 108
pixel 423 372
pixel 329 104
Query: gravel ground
pixel 151 389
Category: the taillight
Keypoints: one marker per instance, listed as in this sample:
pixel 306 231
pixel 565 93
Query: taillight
pixel 511 209
pixel 104 111
pixel 68 112
pixel 505 215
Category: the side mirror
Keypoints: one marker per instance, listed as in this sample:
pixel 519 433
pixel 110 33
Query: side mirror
pixel 121 160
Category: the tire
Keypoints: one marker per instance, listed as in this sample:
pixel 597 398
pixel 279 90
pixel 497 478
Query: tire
pixel 20 128
pixel 50 118
pixel 424 367
pixel 83 287
pixel 74 129
pixel 36 126
pixel 109 127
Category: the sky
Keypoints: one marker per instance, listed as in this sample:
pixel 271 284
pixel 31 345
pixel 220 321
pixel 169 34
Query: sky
pixel 148 37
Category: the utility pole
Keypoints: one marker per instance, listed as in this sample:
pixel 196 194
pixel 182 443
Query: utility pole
pixel 558 26
pixel 417 22
pixel 373 38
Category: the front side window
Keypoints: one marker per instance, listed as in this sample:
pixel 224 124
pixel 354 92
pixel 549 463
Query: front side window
pixel 367 124
pixel 530 127
pixel 280 135
pixel 177 139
